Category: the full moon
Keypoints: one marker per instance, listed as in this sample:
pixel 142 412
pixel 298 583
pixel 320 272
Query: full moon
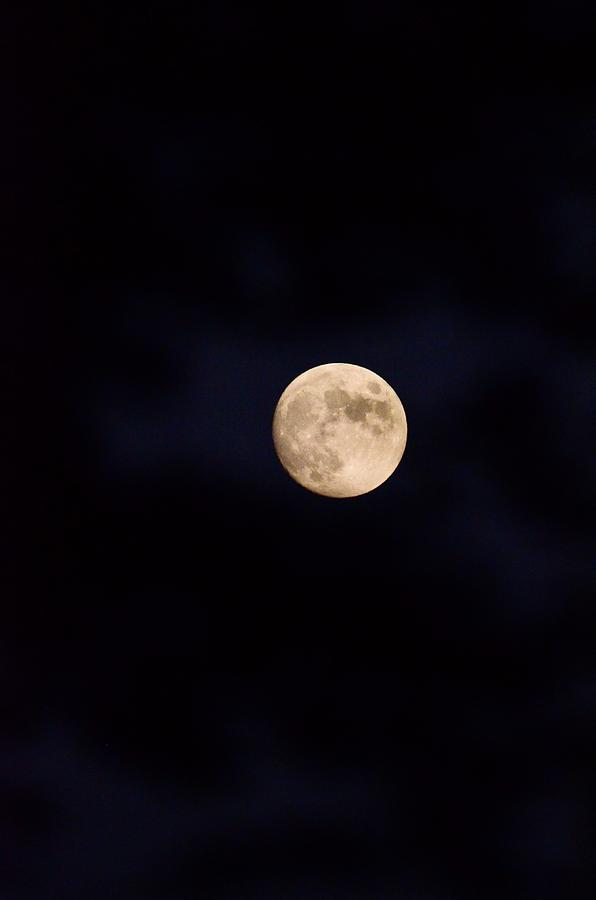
pixel 339 430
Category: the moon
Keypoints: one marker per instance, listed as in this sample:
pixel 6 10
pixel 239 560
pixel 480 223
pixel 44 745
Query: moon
pixel 339 430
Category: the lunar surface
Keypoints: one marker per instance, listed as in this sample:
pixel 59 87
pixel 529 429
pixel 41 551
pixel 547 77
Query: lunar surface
pixel 339 430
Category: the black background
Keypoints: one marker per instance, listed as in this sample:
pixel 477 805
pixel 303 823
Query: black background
pixel 216 684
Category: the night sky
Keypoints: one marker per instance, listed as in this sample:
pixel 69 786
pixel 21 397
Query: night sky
pixel 215 684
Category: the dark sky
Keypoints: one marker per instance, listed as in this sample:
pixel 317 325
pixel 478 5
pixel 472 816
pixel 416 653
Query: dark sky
pixel 216 684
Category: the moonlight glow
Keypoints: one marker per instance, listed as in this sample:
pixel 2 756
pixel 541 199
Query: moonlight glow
pixel 339 430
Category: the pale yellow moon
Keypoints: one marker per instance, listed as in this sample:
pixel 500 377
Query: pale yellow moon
pixel 339 430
